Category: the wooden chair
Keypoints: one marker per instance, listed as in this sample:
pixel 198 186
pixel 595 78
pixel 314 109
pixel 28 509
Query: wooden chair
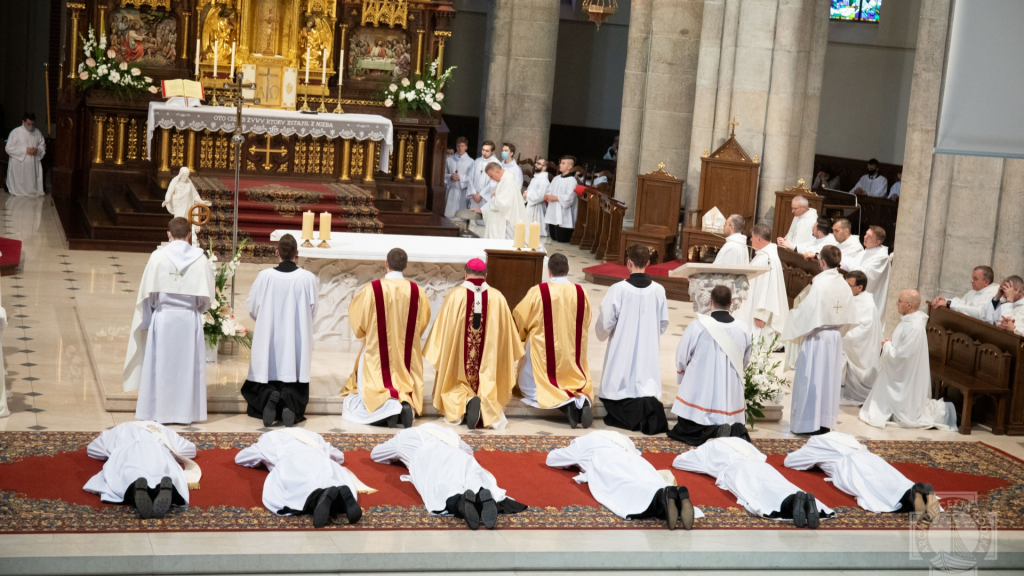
pixel 603 220
pixel 615 231
pixel 593 219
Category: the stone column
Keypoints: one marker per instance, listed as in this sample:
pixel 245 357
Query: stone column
pixel 934 241
pixel 818 43
pixel 726 72
pixel 496 47
pixel 708 66
pixel 1008 257
pixel 970 224
pixel 634 97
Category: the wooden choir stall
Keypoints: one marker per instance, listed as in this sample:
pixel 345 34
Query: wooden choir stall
pixel 656 218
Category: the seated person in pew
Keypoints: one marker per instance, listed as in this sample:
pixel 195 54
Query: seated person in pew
pixel 894 192
pixel 1006 309
pixel 825 178
pixel 872 184
pixel 735 250
pixel 848 244
pixel 977 302
pixel 804 218
pixel 822 234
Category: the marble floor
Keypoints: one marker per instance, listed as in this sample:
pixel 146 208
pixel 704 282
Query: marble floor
pixel 69 314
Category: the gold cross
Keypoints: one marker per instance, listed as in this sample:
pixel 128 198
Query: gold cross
pixel 734 124
pixel 176 274
pixel 837 307
pixel 268 150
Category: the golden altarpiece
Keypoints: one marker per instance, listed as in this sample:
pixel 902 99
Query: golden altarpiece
pixel 104 185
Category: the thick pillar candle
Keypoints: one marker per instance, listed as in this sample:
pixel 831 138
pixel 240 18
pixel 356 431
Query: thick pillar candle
pixel 232 61
pixel 197 56
pixel 216 49
pixel 323 71
pixel 307 65
pixel 325 226
pixel 534 235
pixel 307 225
pixel 519 240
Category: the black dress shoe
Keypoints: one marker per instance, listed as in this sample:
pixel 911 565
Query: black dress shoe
pixel 270 410
pixel 812 511
pixel 671 504
pixel 393 421
pixel 472 412
pixel 488 508
pixel 467 505
pixel 926 504
pixel 352 510
pixel 586 415
pixel 800 510
pixel 162 503
pixel 685 507
pixel 406 415
pixel 288 417
pixel 143 503
pixel 572 413
pixel 322 512
pixel 724 431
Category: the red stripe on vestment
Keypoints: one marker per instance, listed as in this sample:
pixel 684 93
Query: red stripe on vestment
pixel 382 337
pixel 410 326
pixel 703 409
pixel 549 335
pixel 579 328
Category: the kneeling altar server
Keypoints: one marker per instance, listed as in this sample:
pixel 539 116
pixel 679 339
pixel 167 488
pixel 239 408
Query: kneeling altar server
pixel 283 302
pixel 306 476
pixel 447 476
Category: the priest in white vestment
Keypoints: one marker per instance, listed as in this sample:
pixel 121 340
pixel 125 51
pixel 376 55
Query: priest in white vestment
pixel 739 467
pixel 874 261
pixel 283 303
pixel 633 316
pixel 978 300
pixel 1007 303
pixel 142 467
pixel 860 344
pixel 711 359
pixel 877 486
pixel 804 221
pixel 872 184
pixel 446 475
pixel 535 192
pixel 847 243
pixel 767 304
pixel 821 237
pixel 306 476
pixel 816 326
pixel 903 389
pixel 623 481
pixel 561 198
pixel 480 187
pixel 509 164
pixel 735 250
pixel 166 359
pixel 25 150
pixel 457 170
pixel 505 208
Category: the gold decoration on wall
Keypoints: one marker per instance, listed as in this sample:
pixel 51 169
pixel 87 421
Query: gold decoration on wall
pixel 376 156
pixel 177 149
pixel 356 164
pixel 108 149
pixel 250 166
pixel 220 154
pixel 314 156
pixel 328 158
pixel 391 159
pixel 133 140
pixel 442 36
pixel 300 157
pixel 387 12
pixel 267 150
pixel 121 122
pixel 165 4
pixel 206 150
pixel 409 152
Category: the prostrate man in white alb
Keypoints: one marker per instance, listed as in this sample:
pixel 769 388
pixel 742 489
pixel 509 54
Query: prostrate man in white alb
pixel 457 170
pixel 561 198
pixel 734 251
pixel 822 234
pixel 447 476
pixel 817 326
pixel 283 303
pixel 166 359
pixel 509 164
pixel 874 262
pixel 767 301
pixel 872 184
pixel 902 391
pixel 26 148
pixel 623 481
pixel 535 192
pixel 306 476
pixel 977 301
pixel 739 467
pixel 141 468
pixel 633 316
pixel 479 186
pixel 1007 303
pixel 804 220
pixel 710 362
pixel 877 486
pixel 847 243
pixel 505 208
pixel 860 344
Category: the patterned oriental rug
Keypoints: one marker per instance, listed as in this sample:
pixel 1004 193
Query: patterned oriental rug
pixel 265 206
pixel 42 474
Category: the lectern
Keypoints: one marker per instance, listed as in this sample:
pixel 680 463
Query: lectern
pixel 705 277
pixel 514 272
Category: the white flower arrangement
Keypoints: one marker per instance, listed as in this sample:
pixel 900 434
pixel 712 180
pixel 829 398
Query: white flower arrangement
pixel 424 95
pixel 219 321
pixel 762 379
pixel 103 70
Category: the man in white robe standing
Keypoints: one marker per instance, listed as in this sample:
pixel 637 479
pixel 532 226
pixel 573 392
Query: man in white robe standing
pixel 860 344
pixel 817 326
pixel 447 476
pixel 872 184
pixel 875 263
pixel 848 244
pixel 633 316
pixel 457 170
pixel 480 187
pixel 735 250
pixel 561 198
pixel 902 391
pixel 283 303
pixel 535 192
pixel 739 467
pixel 306 476
pixel 623 481
pixel 505 208
pixel 767 302
pixel 804 220
pixel 710 362
pixel 877 486
pixel 977 301
pixel 25 149
pixel 822 236
pixel 166 359
pixel 142 468
pixel 509 164
pixel 1007 303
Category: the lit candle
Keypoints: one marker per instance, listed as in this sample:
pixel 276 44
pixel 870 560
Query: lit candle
pixel 216 49
pixel 534 235
pixel 307 65
pixel 307 225
pixel 325 226
pixel 232 61
pixel 341 65
pixel 323 76
pixel 519 240
pixel 197 56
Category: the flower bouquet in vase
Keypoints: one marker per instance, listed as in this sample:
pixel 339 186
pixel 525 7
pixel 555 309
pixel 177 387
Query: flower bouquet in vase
pixel 219 324
pixel 423 93
pixel 761 380
pixel 103 70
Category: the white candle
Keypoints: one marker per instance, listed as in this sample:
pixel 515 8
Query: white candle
pixel 232 61
pixel 216 49
pixel 341 66
pixel 198 46
pixel 307 65
pixel 323 75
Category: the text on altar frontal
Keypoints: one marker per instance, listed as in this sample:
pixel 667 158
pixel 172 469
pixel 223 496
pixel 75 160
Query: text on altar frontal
pixel 282 122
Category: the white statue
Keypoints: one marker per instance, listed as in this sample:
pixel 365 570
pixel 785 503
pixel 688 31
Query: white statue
pixel 182 196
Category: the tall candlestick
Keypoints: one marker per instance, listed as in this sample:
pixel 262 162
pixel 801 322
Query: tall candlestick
pixel 534 235
pixel 232 62
pixel 325 228
pixel 519 239
pixel 197 56
pixel 307 65
pixel 216 49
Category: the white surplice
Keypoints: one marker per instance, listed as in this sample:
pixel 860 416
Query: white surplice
pixel 767 300
pixel 850 247
pixel 817 326
pixel 166 358
pixel 504 209
pixel 876 186
pixel 563 212
pixel 802 228
pixel 455 191
pixel 739 467
pixel 132 452
pixel 25 171
pixel 440 465
pixel 902 391
pixel 734 251
pixel 283 304
pixel 297 468
pixel 1014 310
pixel 479 182
pixel 877 486
pixel 975 303
pixel 632 320
pixel 535 206
pixel 816 244
pixel 875 263
pixel 861 347
pixel 710 384
pixel 618 475
pixel 514 167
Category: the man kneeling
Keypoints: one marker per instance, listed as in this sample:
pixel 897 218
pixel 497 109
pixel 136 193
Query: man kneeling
pixel 306 476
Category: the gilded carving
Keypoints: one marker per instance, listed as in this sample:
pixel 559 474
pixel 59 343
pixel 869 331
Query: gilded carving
pixel 133 140
pixel 300 157
pixel 108 149
pixel 220 155
pixel 328 166
pixel 314 157
pixel 206 150
pixel 407 170
pixel 178 149
pixel 357 161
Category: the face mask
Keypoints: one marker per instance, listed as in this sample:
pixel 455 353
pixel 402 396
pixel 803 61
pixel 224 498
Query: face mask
pixel 504 155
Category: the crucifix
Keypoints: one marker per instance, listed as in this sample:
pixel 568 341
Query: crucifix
pixel 837 307
pixel 268 88
pixel 734 124
pixel 268 150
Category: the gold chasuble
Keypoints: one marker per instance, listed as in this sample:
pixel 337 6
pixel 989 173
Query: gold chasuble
pixel 473 361
pixel 389 316
pixel 556 318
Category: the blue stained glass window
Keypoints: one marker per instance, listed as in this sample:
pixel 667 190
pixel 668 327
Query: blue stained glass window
pixel 856 10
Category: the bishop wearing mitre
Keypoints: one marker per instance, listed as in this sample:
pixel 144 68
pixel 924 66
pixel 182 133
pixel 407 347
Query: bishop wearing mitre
pixel 505 207
pixel 389 316
pixel 767 304
pixel 25 148
pixel 166 359
pixel 474 345
pixel 735 249
pixel 817 326
pixel 553 319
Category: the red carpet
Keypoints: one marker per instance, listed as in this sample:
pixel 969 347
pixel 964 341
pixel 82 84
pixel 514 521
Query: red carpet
pixel 619 271
pixel 42 474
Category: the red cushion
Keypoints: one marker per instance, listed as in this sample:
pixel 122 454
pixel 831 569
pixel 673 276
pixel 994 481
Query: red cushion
pixel 10 250
pixel 580 190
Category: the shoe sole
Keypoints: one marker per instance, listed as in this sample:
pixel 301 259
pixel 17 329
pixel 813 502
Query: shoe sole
pixel 488 509
pixel 288 417
pixel 586 416
pixel 353 512
pixel 724 431
pixel 800 510
pixel 473 413
pixel 573 415
pixel 812 511
pixel 143 503
pixel 322 512
pixel 406 416
pixel 932 508
pixel 686 514
pixel 162 503
pixel 270 410
pixel 469 512
pixel 671 510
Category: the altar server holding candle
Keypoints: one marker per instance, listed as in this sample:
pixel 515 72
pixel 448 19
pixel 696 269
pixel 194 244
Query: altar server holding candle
pixel 505 208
